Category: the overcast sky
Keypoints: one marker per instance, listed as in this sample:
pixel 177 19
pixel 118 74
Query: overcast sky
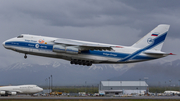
pixel 120 22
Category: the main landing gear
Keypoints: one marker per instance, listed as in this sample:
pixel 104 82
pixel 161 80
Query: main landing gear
pixel 81 62
pixel 25 56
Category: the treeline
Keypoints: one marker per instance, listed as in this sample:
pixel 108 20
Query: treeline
pixel 162 89
pixel 73 89
pixel 94 89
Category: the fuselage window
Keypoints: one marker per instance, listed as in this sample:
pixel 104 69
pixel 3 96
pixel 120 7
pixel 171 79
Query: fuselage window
pixel 20 36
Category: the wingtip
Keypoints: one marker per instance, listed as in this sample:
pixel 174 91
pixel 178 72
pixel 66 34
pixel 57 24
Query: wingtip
pixel 171 54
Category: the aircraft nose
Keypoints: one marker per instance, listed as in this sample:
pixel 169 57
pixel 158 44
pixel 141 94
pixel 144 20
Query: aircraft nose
pixel 4 43
pixel 40 89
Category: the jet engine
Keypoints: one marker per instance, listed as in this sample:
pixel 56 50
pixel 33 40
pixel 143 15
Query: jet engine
pixel 2 92
pixel 12 93
pixel 66 49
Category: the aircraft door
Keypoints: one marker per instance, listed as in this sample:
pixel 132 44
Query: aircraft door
pixel 31 46
pixel 30 49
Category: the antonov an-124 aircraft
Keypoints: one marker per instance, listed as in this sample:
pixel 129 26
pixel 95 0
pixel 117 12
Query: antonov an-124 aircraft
pixel 88 53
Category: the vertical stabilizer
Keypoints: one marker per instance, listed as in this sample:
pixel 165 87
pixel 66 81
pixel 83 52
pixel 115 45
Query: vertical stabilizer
pixel 154 39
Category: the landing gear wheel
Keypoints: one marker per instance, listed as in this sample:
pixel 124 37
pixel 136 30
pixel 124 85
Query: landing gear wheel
pixel 72 62
pixel 89 64
pixel 25 56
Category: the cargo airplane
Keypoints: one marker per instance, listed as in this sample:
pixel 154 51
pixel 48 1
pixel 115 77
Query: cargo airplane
pixel 88 53
pixel 21 89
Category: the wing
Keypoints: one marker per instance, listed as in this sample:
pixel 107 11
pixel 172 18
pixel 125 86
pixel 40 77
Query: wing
pixel 83 45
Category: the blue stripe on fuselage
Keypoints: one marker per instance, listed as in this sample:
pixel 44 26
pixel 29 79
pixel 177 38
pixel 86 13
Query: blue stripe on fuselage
pixel 114 54
pixel 89 52
pixel 105 53
pixel 29 45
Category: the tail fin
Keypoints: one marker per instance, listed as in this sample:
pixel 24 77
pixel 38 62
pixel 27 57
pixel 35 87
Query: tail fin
pixel 154 39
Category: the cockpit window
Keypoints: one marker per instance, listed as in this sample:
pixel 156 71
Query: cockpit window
pixel 20 36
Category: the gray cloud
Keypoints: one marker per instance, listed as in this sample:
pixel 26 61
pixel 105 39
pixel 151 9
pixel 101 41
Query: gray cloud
pixel 85 13
pixel 80 13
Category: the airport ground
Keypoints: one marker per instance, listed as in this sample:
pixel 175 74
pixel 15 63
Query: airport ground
pixel 175 98
pixel 91 89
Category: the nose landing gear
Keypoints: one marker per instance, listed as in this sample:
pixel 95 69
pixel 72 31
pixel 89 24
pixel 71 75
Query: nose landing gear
pixel 25 56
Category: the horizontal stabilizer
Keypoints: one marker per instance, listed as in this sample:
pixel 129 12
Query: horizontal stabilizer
pixel 158 53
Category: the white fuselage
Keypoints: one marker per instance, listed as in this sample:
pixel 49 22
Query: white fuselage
pixel 43 46
pixel 171 92
pixel 22 89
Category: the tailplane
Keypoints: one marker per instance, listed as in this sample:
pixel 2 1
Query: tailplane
pixel 154 39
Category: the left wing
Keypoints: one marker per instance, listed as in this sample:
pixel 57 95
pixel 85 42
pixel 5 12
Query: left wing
pixel 83 45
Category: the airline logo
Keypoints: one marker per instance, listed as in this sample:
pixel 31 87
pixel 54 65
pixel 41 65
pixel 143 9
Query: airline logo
pixel 41 41
pixel 150 41
pixel 37 45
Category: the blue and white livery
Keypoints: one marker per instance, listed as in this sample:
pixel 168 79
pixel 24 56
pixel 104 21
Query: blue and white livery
pixel 88 53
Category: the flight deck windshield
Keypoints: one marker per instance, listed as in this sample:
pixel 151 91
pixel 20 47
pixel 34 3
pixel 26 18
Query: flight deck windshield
pixel 20 36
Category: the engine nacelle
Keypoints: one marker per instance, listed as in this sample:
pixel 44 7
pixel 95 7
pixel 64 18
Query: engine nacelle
pixel 67 49
pixel 59 48
pixel 72 50
pixel 2 92
pixel 13 93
